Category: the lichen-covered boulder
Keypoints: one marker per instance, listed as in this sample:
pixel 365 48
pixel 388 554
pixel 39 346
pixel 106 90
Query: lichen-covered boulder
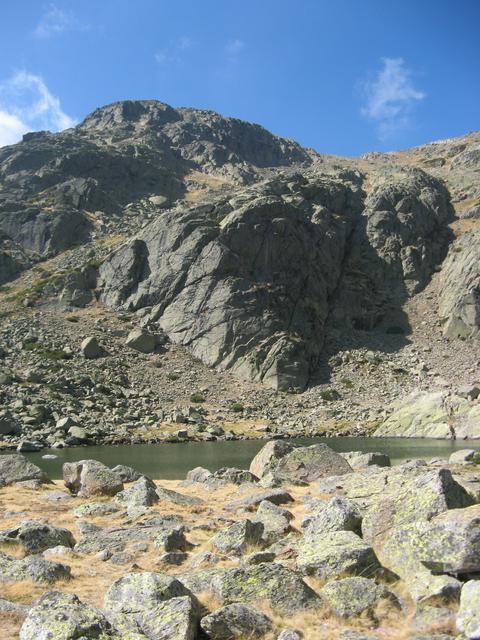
pixel 238 537
pixel 16 468
pixel 468 617
pixel 306 464
pixel 33 568
pixel 268 457
pixel 88 478
pixel 275 496
pixel 236 622
pixel 275 520
pixel 126 473
pixel 143 492
pixel 232 475
pixel 334 554
pixel 354 596
pixel 452 542
pixel 283 588
pixel 401 553
pixel 358 460
pixel 338 514
pixel 35 537
pixel 62 616
pixel 419 499
pixel 149 606
pixel 199 474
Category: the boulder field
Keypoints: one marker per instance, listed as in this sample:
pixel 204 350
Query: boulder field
pixel 303 545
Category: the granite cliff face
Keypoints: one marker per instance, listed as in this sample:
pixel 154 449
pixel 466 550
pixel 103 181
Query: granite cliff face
pixel 243 247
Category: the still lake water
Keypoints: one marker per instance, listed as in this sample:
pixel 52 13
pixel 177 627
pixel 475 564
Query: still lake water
pixel 172 461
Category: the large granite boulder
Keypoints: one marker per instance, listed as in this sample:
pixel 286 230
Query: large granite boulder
pixel 16 468
pixel 354 596
pixel 416 499
pixel 143 492
pixel 88 478
pixel 31 568
pixel 275 521
pixel 334 554
pixel 468 618
pixel 338 514
pixel 147 606
pixel 306 464
pixel 283 588
pixel 62 616
pixel 268 457
pixel 452 542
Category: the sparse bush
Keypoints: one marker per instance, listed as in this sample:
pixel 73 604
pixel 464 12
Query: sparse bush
pixel 329 395
pixel 237 407
pixel 173 376
pixel 197 398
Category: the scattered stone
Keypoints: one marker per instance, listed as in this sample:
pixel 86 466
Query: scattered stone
pixel 199 474
pixel 275 496
pixel 141 340
pixel 95 509
pixel 275 521
pixel 178 498
pixel 236 621
pixel 91 350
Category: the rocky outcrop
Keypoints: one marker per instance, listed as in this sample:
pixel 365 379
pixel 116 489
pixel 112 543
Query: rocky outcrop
pixel 432 415
pixel 459 304
pixel 250 283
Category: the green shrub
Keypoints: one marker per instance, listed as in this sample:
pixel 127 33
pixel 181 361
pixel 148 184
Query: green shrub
pixel 173 376
pixel 348 383
pixel 237 407
pixel 197 398
pixel 329 395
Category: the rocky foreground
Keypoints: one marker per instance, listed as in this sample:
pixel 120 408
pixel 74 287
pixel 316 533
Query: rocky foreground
pixel 307 543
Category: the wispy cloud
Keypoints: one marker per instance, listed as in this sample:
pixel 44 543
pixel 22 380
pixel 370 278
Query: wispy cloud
pixel 174 52
pixel 56 21
pixel 233 48
pixel 390 97
pixel 26 104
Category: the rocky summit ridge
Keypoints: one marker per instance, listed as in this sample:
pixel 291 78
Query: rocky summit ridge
pixel 243 249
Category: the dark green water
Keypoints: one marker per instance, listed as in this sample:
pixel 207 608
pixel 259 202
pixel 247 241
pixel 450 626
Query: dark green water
pixel 172 461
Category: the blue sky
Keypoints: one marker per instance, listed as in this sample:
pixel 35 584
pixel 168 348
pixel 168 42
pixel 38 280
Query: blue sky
pixel 341 76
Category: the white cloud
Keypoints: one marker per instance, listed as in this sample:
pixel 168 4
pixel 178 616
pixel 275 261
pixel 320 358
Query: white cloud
pixel 390 97
pixel 26 104
pixel 56 21
pixel 174 52
pixel 234 48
